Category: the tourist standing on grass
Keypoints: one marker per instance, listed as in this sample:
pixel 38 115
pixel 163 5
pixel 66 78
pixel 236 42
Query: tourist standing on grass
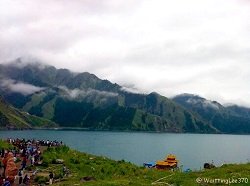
pixel 2 153
pixel 24 162
pixel 26 179
pixel 51 176
pixel 20 175
pixel 64 170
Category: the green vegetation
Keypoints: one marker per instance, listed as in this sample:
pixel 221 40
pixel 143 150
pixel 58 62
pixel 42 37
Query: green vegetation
pixel 232 119
pixel 48 109
pixel 106 172
pixel 12 118
pixel 35 100
pixel 4 145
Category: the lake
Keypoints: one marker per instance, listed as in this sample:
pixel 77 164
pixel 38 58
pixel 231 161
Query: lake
pixel 193 150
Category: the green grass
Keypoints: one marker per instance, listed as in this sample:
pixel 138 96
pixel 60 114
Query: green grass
pixel 14 118
pixel 107 172
pixel 5 145
pixel 40 122
pixel 48 109
pixel 35 100
pixel 110 172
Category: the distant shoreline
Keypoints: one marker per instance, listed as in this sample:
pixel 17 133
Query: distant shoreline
pixel 103 130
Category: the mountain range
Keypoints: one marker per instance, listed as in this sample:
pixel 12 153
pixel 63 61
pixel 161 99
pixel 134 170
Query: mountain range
pixel 227 119
pixel 83 100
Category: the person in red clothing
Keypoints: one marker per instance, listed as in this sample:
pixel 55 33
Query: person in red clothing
pixel 11 168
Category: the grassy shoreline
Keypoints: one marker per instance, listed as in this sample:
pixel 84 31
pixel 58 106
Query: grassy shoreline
pixel 103 171
pixel 109 172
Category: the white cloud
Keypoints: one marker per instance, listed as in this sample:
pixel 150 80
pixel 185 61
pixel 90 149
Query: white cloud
pixel 205 103
pixel 170 47
pixel 130 89
pixel 81 93
pixel 20 87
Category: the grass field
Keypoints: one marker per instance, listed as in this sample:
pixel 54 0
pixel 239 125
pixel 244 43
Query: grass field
pixel 106 172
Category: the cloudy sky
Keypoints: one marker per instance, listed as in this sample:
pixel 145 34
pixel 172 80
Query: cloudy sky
pixel 172 47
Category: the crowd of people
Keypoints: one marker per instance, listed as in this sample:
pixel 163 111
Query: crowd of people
pixel 26 152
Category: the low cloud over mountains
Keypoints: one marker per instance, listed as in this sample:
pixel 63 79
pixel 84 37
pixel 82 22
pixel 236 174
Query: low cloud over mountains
pixel 19 87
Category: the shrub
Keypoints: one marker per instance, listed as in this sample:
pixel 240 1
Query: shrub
pixel 74 161
pixel 45 164
pixel 59 175
pixel 53 161
pixel 41 179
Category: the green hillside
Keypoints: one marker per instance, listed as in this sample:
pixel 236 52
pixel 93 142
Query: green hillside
pixel 153 113
pixel 12 118
pixel 232 119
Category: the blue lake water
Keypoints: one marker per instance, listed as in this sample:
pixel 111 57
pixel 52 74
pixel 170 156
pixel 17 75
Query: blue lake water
pixel 193 150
